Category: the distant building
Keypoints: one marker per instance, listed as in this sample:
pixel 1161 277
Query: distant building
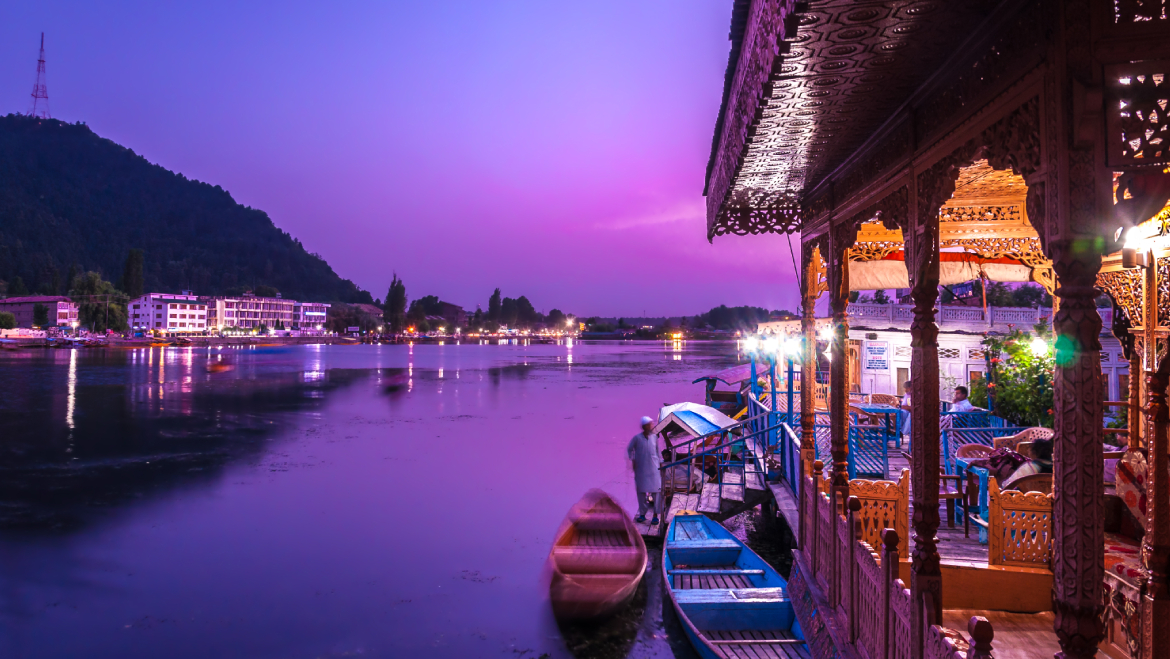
pixel 309 315
pixel 168 312
pixel 61 310
pixel 249 312
pixel 453 314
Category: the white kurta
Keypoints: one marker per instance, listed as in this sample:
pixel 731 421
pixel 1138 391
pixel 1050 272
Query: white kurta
pixel 643 451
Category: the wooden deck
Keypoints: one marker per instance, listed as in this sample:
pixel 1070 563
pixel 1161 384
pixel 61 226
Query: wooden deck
pixel 753 644
pixel 1017 635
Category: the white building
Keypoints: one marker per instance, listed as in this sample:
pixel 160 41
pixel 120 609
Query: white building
pixel 183 313
pixel 879 343
pixel 310 315
pixel 248 312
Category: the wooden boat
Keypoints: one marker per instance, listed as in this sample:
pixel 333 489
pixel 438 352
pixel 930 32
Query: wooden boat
pixel 731 602
pixel 597 559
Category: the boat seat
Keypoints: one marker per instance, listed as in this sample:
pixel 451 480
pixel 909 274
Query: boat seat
pixel 739 608
pixel 701 553
pixel 601 522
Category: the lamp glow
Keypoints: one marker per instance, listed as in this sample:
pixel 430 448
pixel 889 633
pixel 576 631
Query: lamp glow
pixel 826 333
pixel 771 345
pixel 751 344
pixel 1038 346
pixel 792 346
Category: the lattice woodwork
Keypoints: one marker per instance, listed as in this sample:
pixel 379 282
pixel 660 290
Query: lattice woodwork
pixel 981 214
pixel 902 605
pixel 1138 96
pixel 1019 528
pixel 755 211
pixel 884 505
pixel 1125 288
pixel 872 251
pixel 1024 250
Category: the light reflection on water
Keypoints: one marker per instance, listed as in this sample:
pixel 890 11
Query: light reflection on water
pixel 312 501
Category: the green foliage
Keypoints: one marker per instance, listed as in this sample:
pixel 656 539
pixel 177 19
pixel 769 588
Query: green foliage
pixel 40 315
pixel 17 287
pixel 1021 381
pixel 100 305
pixel 428 305
pixel 880 297
pixel 724 317
pixel 1000 294
pixel 7 320
pixel 556 319
pixel 265 291
pixel 494 306
pixel 132 276
pixel 509 312
pixel 394 314
pixel 71 197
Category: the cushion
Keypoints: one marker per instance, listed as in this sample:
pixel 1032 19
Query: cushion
pixel 1123 559
pixel 1131 484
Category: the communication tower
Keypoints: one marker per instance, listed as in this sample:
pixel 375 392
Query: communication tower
pixel 40 93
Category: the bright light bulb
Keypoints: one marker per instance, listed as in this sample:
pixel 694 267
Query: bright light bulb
pixel 751 343
pixel 771 345
pixel 792 346
pixel 1132 238
pixel 827 333
pixel 1038 346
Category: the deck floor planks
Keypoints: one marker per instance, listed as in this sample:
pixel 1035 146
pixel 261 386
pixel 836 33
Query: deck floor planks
pixel 733 484
pixel 1017 635
pixel 709 498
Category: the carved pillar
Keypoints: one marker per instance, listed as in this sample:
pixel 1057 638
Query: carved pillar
pixel 839 366
pixel 1156 542
pixel 810 291
pixel 923 264
pixel 1078 467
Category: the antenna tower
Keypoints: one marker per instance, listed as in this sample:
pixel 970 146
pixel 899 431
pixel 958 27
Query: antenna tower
pixel 40 93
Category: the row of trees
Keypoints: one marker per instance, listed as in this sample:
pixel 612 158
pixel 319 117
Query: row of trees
pixel 400 313
pixel 999 294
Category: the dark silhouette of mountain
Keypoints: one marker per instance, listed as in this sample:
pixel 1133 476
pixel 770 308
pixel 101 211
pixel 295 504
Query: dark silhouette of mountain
pixel 72 201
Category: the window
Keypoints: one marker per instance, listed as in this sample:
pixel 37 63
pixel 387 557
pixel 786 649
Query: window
pixel 975 375
pixel 173 315
pixel 903 375
pixel 948 353
pixel 172 324
pixel 903 352
pixel 1123 386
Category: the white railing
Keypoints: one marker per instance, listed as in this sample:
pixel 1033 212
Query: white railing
pixel 862 587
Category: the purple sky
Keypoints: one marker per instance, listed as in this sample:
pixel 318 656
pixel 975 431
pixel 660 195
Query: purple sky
pixel 553 149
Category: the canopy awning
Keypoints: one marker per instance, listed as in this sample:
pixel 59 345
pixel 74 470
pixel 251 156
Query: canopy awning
pixel 692 418
pixel 954 268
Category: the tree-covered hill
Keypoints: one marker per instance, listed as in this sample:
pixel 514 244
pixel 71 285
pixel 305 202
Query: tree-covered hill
pixel 73 201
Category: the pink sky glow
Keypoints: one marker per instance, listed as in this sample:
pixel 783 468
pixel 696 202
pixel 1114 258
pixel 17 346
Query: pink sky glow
pixel 554 149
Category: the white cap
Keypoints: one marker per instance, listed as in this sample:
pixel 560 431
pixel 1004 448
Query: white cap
pixel 646 420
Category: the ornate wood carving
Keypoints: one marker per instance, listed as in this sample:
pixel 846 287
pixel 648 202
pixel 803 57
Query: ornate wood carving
pixel 756 211
pixel 1020 528
pixel 873 251
pixel 1078 466
pixel 923 265
pixel 813 283
pixel 1124 287
pixel 842 238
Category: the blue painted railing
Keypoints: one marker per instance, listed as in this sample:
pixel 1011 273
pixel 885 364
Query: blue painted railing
pixel 732 447
pixel 952 438
pixel 790 459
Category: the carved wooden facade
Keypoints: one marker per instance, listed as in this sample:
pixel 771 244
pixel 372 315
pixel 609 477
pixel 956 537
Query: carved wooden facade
pixel 999 129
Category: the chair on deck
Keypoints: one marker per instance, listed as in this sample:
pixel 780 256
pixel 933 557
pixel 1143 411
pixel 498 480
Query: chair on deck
pixel 1041 483
pixel 885 399
pixel 1019 527
pixel 884 505
pixel 973 451
pixel 947 494
pixel 1025 435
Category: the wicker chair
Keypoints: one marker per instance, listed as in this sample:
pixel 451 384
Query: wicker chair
pixel 885 399
pixel 973 451
pixel 1035 483
pixel 1025 435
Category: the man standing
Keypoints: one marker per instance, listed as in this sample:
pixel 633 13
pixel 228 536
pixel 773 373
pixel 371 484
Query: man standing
pixel 643 450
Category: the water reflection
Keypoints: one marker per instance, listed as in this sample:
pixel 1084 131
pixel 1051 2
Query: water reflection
pixel 320 501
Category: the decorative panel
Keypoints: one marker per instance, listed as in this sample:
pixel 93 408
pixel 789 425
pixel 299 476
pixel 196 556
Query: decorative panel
pixel 1137 100
pixel 1138 11
pixel 1125 287
pixel 948 353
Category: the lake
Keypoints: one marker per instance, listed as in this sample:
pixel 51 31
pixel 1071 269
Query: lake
pixel 315 501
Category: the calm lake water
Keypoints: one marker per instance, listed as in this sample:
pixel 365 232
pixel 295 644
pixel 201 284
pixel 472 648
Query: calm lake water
pixel 317 501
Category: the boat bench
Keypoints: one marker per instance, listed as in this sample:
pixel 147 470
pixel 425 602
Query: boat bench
pixel 740 608
pixel 697 553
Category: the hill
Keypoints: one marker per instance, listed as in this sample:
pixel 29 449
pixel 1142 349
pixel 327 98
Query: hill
pixel 71 200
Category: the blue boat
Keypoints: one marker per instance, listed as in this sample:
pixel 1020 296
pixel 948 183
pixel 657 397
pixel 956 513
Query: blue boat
pixel 731 602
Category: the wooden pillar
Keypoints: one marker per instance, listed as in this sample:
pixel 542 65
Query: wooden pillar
pixel 1155 610
pixel 1078 545
pixel 810 289
pixel 925 570
pixel 839 367
pixel 1134 419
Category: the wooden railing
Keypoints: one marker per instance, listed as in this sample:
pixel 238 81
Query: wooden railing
pixel 861 585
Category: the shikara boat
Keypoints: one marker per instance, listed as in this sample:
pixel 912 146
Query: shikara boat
pixel 731 602
pixel 597 559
